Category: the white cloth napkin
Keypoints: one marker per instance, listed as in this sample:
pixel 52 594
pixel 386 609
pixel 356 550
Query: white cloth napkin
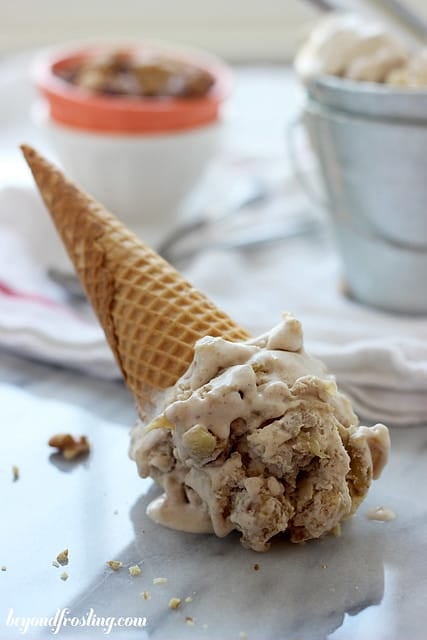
pixel 379 359
pixel 35 317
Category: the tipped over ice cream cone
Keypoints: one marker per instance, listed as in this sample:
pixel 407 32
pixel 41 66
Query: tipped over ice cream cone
pixel 254 435
pixel 150 314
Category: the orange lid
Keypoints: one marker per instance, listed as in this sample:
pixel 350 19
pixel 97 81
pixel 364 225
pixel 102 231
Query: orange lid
pixel 76 107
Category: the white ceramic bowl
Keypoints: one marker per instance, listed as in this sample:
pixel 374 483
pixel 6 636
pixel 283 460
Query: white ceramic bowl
pixel 141 157
pixel 143 179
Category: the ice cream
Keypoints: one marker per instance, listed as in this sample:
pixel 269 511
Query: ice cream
pixel 413 75
pixel 349 46
pixel 255 437
pixel 248 434
pixel 141 73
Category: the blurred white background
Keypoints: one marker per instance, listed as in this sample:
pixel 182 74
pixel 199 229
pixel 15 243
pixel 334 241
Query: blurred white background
pixel 237 29
pixel 240 30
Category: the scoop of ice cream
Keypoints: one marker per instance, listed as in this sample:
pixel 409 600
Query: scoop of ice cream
pixel 412 75
pixel 256 437
pixel 349 46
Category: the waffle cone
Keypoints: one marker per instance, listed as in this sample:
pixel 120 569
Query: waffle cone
pixel 150 314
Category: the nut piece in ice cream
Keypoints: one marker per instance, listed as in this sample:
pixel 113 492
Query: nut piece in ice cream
pixel 199 442
pixel 256 437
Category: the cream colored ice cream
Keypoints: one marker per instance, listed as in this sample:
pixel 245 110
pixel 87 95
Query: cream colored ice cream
pixel 255 437
pixel 348 45
pixel 413 75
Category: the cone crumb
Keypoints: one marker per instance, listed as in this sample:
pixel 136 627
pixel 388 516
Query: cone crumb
pixel 55 564
pixel 146 595
pixel 256 566
pixel 160 580
pixel 4 568
pixel 64 576
pixel 15 473
pixel 188 599
pixel 62 557
pixel 174 603
pixel 189 620
pixel 115 565
pixel 135 570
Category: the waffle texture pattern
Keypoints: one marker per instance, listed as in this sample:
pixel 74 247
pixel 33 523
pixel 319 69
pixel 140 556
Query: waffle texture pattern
pixel 150 314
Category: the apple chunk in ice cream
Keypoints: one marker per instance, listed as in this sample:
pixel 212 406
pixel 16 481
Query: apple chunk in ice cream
pixel 256 437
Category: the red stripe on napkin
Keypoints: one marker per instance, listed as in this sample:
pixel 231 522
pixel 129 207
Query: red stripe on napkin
pixel 28 297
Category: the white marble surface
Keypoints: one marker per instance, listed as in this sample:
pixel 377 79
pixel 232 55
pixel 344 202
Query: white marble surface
pixel 368 583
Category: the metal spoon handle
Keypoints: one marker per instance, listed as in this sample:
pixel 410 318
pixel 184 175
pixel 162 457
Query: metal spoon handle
pixel 256 195
pixel 405 15
pixel 303 225
pixel 323 5
pixel 399 9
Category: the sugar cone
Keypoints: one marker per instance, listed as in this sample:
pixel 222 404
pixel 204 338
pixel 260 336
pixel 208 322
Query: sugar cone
pixel 150 314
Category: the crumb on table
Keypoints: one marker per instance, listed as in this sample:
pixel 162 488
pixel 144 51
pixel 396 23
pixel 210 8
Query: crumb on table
pixel 4 568
pixel 115 565
pixel 62 557
pixel 69 446
pixel 64 576
pixel 135 570
pixel 160 580
pixel 382 514
pixel 174 603
pixel 15 472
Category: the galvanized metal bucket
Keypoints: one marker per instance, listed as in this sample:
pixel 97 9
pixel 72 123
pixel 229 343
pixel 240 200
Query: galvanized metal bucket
pixel 371 143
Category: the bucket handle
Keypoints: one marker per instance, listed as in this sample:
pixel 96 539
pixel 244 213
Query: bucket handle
pixel 292 130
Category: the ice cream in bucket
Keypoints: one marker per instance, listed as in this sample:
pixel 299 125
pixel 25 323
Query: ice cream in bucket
pixel 368 128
